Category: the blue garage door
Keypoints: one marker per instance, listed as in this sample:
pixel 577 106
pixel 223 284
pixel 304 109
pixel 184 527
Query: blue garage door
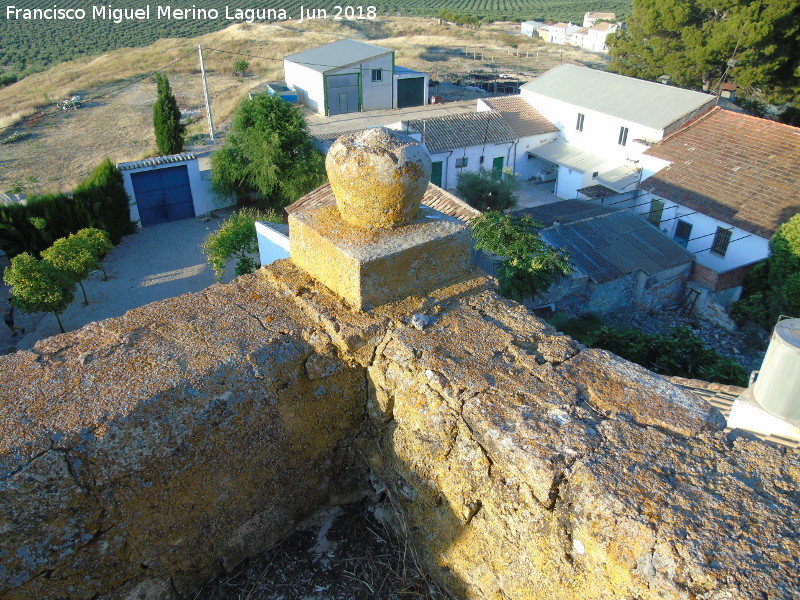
pixel 163 195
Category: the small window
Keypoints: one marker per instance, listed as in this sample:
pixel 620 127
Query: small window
pixel 721 241
pixel 579 124
pixel 377 75
pixel 656 212
pixel 623 136
pixel 683 232
pixel 461 163
pixel 595 174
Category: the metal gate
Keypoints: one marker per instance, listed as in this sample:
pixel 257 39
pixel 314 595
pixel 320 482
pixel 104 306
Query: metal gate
pixel 410 92
pixel 342 93
pixel 163 195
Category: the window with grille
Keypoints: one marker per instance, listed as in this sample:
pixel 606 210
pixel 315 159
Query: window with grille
pixel 683 232
pixel 377 75
pixel 461 163
pixel 656 212
pixel 721 241
pixel 579 124
pixel 623 136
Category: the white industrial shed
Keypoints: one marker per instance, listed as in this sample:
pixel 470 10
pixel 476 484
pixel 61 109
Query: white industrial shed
pixel 351 76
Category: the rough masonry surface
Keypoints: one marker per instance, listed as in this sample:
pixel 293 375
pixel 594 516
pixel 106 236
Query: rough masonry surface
pixel 143 455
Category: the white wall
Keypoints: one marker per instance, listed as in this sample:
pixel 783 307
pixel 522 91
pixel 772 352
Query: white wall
pixel 744 248
pixel 525 166
pixel 308 83
pixel 473 155
pixel 600 132
pixel 272 245
pixel 375 95
pixel 569 182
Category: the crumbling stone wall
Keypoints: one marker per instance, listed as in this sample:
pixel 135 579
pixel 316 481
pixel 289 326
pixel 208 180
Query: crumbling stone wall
pixel 143 455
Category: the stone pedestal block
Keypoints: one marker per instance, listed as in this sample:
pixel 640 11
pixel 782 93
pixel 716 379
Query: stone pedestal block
pixel 372 267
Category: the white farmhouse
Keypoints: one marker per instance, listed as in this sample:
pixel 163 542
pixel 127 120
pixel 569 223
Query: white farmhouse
pixel 531 130
pixel 606 121
pixel 595 40
pixel 591 18
pixel 722 186
pixel 560 33
pixel 351 76
pixel 466 142
pixel 530 28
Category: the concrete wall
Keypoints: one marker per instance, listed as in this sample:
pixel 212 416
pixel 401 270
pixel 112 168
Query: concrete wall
pixel 272 244
pixel 473 155
pixel 142 455
pixel 308 83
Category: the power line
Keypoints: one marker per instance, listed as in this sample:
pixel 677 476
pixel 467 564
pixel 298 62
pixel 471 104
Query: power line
pixel 304 63
pixel 115 90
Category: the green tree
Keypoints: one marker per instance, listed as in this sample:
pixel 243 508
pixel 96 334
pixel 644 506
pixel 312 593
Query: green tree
pixel 268 151
pixel 754 43
pixel 99 243
pixel 74 257
pixel 237 239
pixel 485 191
pixel 530 266
pixel 38 286
pixel 167 119
pixel 240 67
pixel 772 288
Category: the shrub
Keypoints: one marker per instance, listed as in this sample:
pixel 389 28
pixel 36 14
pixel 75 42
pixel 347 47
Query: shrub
pixel 236 238
pixel 103 193
pixel 485 191
pixel 530 266
pixel 772 288
pixel 99 201
pixel 681 353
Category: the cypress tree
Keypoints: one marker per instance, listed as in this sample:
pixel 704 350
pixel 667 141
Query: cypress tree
pixel 167 119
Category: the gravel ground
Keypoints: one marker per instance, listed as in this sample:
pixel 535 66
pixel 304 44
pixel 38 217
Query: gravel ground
pixel 156 263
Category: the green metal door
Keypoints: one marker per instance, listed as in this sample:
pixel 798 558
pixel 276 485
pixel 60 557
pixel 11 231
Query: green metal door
pixel 436 173
pixel 497 167
pixel 410 92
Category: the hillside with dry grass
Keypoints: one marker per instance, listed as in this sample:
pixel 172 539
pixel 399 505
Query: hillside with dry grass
pixel 115 119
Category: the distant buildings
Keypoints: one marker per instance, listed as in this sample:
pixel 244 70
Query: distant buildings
pixel 597 26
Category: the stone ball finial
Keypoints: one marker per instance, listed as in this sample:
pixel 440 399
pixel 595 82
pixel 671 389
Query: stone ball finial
pixel 378 177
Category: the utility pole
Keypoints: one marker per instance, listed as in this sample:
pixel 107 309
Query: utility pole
pixel 205 92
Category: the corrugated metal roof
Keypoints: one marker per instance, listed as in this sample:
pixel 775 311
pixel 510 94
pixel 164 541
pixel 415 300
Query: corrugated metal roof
pixel 607 244
pixel 645 102
pixel 570 156
pixel 441 134
pixel 159 160
pixel 435 197
pixel 336 55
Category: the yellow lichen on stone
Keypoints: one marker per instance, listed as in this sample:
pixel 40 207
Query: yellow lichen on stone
pixel 378 177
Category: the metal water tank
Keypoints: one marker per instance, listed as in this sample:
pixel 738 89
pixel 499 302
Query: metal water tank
pixel 777 389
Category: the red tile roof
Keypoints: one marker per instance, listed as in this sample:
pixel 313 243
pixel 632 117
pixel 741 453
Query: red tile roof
pixel 736 168
pixel 435 197
pixel 523 119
